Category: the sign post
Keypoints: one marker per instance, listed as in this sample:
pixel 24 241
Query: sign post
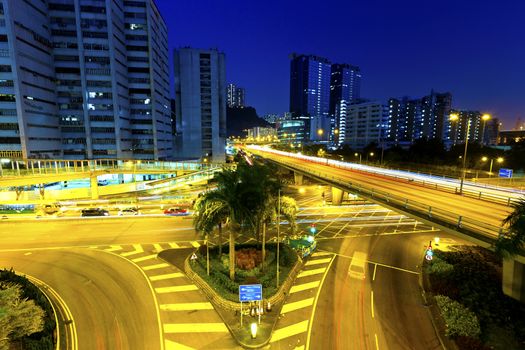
pixel 249 293
pixel 504 172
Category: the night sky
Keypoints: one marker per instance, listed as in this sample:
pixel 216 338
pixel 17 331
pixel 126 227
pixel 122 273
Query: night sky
pixel 474 49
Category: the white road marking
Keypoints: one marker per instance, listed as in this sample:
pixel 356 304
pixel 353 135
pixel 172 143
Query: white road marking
pixel 144 258
pixel 166 276
pixel 156 266
pixel 289 331
pixel 174 289
pixel 317 261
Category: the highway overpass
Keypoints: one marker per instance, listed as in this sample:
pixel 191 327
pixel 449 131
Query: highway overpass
pixel 477 218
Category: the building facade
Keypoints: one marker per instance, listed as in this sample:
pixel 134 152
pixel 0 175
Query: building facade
pixel 200 93
pixel 91 79
pixel 345 84
pixel 310 93
pixel 362 123
pixel 235 96
pixel 412 119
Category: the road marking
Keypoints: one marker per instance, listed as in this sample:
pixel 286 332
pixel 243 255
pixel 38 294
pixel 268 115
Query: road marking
pixel 318 261
pixel 156 266
pixel 93 247
pixel 289 307
pixel 304 286
pixel 186 306
pixel 195 244
pixel 299 347
pixel 289 331
pixel 171 345
pixel 138 250
pixel 166 276
pixel 143 258
pixel 173 289
pixel 321 253
pixel 174 245
pixel 374 276
pixel 315 305
pixel 311 272
pixel 194 327
pixel 157 247
pixel 372 302
pixel 113 248
pixel 377 341
pixel 28 253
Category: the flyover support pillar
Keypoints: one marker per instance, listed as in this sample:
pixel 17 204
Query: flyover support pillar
pixel 514 279
pixel 337 196
pixel 298 178
pixel 93 181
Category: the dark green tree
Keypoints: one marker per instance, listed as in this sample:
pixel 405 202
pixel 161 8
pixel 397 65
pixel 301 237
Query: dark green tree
pixel 512 242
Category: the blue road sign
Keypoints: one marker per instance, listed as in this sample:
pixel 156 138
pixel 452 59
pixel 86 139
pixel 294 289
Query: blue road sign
pixel 503 172
pixel 250 292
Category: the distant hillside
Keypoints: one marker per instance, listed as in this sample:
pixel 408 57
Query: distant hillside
pixel 239 119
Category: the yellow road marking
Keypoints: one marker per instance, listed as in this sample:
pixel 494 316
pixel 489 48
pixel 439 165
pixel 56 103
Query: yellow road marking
pixel 158 247
pixel 186 306
pixel 289 331
pixel 299 347
pixel 311 272
pixel 174 245
pixel 143 258
pixel 156 266
pixel 372 302
pixel 296 305
pixel 194 327
pixel 166 276
pixel 319 253
pixel 374 276
pixel 318 261
pixel 171 345
pixel 304 286
pixel 113 248
pixel 176 289
pixel 138 250
pixel 195 244
pixel 377 342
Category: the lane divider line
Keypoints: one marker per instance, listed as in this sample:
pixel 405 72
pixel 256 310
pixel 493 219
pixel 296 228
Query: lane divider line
pixel 374 275
pixel 372 303
pixel 377 341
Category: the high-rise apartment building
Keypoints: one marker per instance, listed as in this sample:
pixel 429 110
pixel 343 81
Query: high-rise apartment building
pixel 310 93
pixel 90 79
pixel 412 119
pixel 200 91
pixel 362 123
pixel 235 96
pixel 458 128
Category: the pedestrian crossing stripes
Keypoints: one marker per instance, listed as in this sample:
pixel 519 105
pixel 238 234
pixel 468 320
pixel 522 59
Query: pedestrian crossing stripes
pixel 143 258
pixel 174 289
pixel 317 261
pixel 311 272
pixel 156 266
pixel 289 331
pixel 300 287
pixel 166 276
pixel 297 305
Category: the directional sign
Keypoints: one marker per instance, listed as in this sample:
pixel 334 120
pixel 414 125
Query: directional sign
pixel 503 172
pixel 250 292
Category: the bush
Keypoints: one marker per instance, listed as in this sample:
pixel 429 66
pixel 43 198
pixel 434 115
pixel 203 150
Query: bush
pixel 439 267
pixel 468 343
pixel 459 320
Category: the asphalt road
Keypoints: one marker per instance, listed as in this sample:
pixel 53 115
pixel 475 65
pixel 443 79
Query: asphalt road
pixel 482 211
pixel 109 298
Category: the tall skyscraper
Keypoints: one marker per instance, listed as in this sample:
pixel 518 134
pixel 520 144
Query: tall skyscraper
pixel 90 79
pixel 200 92
pixel 412 119
pixel 235 96
pixel 345 84
pixel 310 93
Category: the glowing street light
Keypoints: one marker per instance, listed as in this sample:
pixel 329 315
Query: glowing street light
pixel 455 117
pixel 499 160
pixel 358 154
pixel 484 118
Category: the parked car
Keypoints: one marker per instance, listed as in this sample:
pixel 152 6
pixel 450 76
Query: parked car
pixel 51 208
pixel 103 182
pixel 129 211
pixel 176 211
pixel 95 212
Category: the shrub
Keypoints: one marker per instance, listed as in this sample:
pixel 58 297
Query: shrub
pixel 469 343
pixel 439 267
pixel 458 319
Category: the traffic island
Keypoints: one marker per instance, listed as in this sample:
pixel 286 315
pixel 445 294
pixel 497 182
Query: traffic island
pixel 223 293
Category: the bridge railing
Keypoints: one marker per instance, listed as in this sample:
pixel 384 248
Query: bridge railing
pixel 480 229
pixel 32 167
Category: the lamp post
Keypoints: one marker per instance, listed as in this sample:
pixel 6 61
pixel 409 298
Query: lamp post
pixel 455 117
pixel 499 160
pixel 484 118
pixel 358 154
pixel 371 155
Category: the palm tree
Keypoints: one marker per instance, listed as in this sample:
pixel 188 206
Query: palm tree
pixel 207 216
pixel 512 242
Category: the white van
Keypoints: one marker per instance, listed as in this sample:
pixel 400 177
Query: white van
pixel 357 267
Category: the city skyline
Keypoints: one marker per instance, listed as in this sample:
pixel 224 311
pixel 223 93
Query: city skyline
pixel 477 61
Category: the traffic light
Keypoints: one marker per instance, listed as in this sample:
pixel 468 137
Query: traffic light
pixel 313 229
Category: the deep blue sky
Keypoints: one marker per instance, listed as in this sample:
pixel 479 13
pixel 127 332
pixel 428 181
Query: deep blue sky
pixel 474 49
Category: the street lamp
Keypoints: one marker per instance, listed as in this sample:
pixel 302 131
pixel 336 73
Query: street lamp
pixel 499 160
pixel 455 117
pixel 371 155
pixel 358 154
pixel 484 118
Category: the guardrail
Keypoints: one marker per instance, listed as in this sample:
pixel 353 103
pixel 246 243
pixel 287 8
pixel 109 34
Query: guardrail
pixel 43 166
pixel 475 228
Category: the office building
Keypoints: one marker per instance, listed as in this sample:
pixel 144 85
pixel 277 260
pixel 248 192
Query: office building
pixel 91 79
pixel 200 93
pixel 492 132
pixel 262 133
pixel 412 119
pixel 293 132
pixel 235 96
pixel 310 93
pixel 362 123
